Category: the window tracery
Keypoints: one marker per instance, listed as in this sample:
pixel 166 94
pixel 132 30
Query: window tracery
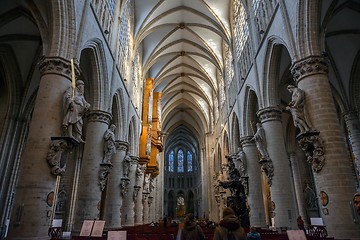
pixel 240 28
pixel 189 162
pixel 171 161
pixel 125 40
pixel 180 161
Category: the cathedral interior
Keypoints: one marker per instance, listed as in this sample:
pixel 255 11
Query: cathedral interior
pixel 129 110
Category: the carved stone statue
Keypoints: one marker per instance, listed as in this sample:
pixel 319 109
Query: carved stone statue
pixel 55 155
pixel 109 145
pixel 152 184
pixel 124 186
pixel 74 106
pixel 240 161
pixel 139 173
pixel 296 107
pixel 126 165
pixel 260 141
pixel 147 183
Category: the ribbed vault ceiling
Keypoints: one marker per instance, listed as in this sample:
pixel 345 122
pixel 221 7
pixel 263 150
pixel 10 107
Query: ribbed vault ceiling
pixel 182 51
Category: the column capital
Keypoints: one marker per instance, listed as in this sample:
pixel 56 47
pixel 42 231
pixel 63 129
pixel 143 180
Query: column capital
pixel 58 66
pixel 99 116
pixel 134 160
pixel 121 145
pixel 309 66
pixel 247 141
pixel 269 114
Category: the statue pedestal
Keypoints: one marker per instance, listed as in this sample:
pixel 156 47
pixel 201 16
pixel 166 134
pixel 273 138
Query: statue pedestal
pixel 59 152
pixel 313 147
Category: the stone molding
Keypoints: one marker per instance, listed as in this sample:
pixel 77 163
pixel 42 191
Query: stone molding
pixel 57 66
pixel 98 116
pixel 269 114
pixel 309 66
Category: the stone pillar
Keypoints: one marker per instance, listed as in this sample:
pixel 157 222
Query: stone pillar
pixel 298 186
pixel 128 206
pixel 281 186
pixel 335 178
pixel 353 127
pixel 113 198
pixel 138 194
pixel 151 202
pixel 35 182
pixel 145 202
pixel 89 195
pixel 255 195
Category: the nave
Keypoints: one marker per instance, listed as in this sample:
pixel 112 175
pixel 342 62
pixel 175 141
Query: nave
pixel 128 110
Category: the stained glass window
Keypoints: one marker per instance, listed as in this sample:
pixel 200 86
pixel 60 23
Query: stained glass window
pixel 189 161
pixel 171 161
pixel 180 161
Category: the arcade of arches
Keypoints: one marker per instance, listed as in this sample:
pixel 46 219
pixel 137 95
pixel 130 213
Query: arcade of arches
pixel 174 97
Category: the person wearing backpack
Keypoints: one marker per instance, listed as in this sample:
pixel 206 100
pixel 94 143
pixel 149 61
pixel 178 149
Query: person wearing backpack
pixel 229 228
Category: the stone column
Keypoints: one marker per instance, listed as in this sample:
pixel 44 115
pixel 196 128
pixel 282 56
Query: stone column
pixel 281 185
pixel 353 127
pixel 89 195
pixel 138 194
pixel 298 186
pixel 335 178
pixel 35 182
pixel 151 203
pixel 145 202
pixel 113 198
pixel 255 195
pixel 152 200
pixel 128 206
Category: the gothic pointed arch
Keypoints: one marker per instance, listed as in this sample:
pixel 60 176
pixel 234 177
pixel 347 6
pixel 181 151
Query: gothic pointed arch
pixel 94 74
pixel 251 106
pixel 119 113
pixel 277 61
pixel 235 133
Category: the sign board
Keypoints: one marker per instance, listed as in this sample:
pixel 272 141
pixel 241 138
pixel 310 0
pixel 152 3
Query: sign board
pixel 116 235
pixel 86 228
pixel 296 234
pixel 98 228
pixel 316 221
pixel 66 235
pixel 57 223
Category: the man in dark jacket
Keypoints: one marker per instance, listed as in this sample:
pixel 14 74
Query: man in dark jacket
pixel 229 228
pixel 191 230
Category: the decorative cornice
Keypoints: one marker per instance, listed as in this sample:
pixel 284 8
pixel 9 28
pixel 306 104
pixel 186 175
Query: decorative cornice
pixel 309 66
pixel 58 66
pixel 269 114
pixel 121 145
pixel 98 116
